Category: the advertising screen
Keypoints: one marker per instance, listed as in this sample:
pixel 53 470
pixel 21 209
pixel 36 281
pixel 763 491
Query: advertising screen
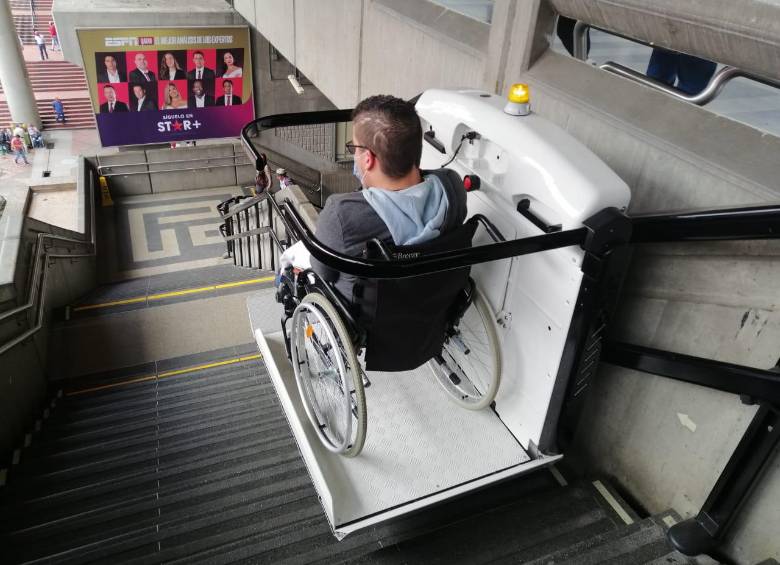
pixel 159 85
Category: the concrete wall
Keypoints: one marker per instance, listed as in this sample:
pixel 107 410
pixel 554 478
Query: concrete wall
pixel 343 46
pixel 167 170
pixel 23 368
pixel 742 34
pixel 71 14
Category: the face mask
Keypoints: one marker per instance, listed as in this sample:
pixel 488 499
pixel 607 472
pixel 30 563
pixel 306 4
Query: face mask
pixel 356 172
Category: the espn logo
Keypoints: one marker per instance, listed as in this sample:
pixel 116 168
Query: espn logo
pixel 128 41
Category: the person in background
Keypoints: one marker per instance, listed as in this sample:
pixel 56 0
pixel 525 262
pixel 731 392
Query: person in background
pixel 691 74
pixel 55 41
pixel 41 43
pixel 17 146
pixel 59 109
pixel 35 136
pixel 27 137
pixel 170 69
pixel 263 179
pixel 5 140
pixel 18 130
pixel 283 178
pixel 111 72
pixel 229 68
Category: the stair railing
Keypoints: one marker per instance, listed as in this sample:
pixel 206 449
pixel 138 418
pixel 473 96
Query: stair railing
pixel 246 231
pixel 42 260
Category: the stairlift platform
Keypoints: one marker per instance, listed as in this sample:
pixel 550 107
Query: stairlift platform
pixel 421 449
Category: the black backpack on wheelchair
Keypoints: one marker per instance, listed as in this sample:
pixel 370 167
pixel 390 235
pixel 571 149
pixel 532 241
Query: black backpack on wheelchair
pixel 406 319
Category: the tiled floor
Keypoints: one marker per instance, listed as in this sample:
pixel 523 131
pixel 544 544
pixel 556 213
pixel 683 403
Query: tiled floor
pixel 164 233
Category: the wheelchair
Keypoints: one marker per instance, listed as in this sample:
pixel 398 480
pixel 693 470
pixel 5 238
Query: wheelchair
pixel 438 319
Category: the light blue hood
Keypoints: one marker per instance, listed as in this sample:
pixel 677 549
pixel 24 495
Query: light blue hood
pixel 413 215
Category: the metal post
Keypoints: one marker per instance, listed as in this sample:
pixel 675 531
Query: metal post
pixel 580 40
pixel 701 534
pixel 259 237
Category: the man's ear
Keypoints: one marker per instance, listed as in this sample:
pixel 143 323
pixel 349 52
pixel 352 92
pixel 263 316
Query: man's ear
pixel 370 160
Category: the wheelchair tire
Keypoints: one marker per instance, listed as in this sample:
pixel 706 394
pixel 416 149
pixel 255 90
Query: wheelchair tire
pixel 469 368
pixel 330 385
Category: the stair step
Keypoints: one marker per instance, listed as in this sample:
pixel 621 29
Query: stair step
pixel 123 493
pixel 637 543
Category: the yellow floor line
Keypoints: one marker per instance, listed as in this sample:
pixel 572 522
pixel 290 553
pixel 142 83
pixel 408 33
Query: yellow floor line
pixel 165 374
pixel 162 295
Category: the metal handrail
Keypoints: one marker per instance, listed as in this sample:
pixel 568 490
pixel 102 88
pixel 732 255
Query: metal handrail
pixel 41 258
pixel 109 175
pixel 248 203
pixel 118 165
pixel 254 128
pixel 712 90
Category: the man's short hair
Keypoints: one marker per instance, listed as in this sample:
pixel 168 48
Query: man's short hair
pixel 227 81
pixel 198 53
pixel 390 128
pixel 108 86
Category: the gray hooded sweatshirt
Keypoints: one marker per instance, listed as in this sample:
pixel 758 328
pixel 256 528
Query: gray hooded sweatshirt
pixel 406 217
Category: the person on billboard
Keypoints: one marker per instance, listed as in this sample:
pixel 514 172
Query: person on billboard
pixel 199 98
pixel 173 98
pixel 143 102
pixel 111 73
pixel 142 73
pixel 229 68
pixel 200 71
pixel 170 69
pixel 228 99
pixel 111 104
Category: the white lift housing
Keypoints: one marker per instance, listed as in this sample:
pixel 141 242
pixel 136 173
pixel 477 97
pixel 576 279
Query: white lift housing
pixel 421 449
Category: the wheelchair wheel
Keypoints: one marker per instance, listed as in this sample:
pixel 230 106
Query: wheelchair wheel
pixel 469 367
pixel 328 375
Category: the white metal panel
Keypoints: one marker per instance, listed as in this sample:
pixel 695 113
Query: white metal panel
pixel 517 158
pixel 523 156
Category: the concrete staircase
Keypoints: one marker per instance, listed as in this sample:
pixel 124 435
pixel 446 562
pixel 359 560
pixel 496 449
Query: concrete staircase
pixel 43 6
pixel 78 112
pixel 189 459
pixel 55 76
pixel 25 27
pixel 192 462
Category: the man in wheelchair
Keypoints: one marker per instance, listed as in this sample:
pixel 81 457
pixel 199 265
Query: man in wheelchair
pixel 401 211
pixel 410 211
